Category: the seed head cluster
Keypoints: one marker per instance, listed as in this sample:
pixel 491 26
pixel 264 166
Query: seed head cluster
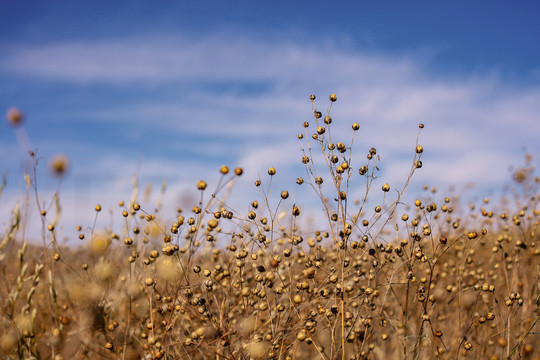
pixel 374 278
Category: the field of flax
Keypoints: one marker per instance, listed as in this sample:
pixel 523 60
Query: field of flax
pixel 426 280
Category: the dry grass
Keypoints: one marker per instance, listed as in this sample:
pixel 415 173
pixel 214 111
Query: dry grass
pixel 429 280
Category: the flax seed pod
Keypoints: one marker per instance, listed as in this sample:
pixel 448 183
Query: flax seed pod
pixel 14 117
pixel 59 165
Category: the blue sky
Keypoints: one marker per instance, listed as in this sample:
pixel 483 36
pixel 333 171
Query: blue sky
pixel 176 90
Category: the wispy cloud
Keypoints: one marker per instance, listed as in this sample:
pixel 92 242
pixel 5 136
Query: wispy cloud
pixel 219 58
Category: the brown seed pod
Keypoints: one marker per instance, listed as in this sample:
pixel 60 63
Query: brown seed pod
pixel 201 185
pixel 363 170
pixel 14 117
pixel 59 165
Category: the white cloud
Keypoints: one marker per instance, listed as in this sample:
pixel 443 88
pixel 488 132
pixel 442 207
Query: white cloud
pixel 220 58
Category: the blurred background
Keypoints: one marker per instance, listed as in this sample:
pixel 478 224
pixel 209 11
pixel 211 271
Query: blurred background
pixel 171 90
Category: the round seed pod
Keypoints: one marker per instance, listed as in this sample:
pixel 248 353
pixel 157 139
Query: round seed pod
pixel 201 185
pixel 363 170
pixel 59 165
pixel 14 117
